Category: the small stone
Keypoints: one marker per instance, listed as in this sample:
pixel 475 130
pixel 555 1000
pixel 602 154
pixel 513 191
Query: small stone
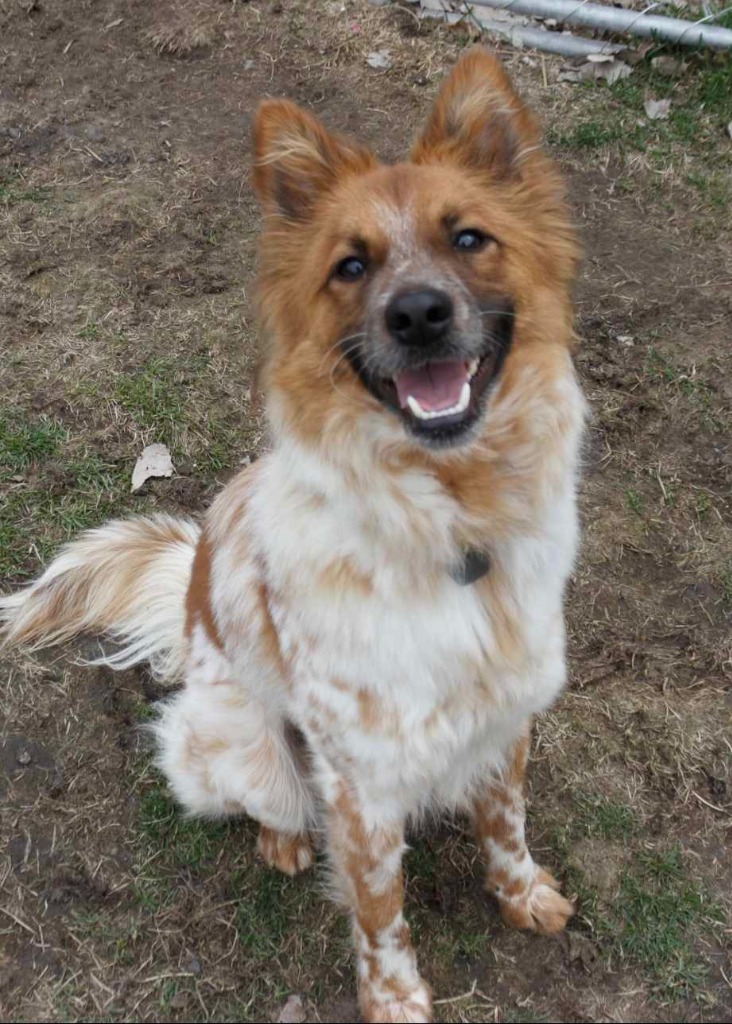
pixel 657 110
pixel 669 67
pixel 421 80
pixel 293 1012
pixel 380 60
pixel 180 1001
pixel 194 965
pixel 24 757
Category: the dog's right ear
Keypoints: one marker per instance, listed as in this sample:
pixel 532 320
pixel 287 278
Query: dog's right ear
pixel 296 161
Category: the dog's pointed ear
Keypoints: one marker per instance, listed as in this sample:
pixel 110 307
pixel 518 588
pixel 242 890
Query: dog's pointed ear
pixel 296 160
pixel 478 120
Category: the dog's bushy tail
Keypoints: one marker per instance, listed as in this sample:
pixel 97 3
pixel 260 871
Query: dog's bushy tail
pixel 126 581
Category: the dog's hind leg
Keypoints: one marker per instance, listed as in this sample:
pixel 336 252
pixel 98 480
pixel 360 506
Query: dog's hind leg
pixel 227 752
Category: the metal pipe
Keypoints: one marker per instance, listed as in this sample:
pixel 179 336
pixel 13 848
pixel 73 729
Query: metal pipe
pixel 614 19
pixel 562 43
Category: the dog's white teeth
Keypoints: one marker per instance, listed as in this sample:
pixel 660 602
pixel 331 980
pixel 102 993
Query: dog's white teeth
pixel 416 409
pixel 426 414
pixel 473 367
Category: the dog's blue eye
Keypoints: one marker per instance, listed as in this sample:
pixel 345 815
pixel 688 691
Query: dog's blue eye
pixel 350 269
pixel 471 239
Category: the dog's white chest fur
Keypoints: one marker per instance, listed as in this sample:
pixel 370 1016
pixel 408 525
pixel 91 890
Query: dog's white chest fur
pixel 401 678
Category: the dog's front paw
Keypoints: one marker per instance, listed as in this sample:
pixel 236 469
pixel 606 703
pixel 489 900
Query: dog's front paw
pixel 290 854
pixel 541 908
pixel 379 1008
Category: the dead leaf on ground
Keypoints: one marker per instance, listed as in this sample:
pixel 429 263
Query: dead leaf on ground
pixel 669 67
pixel 379 59
pixel 155 461
pixel 293 1012
pixel 598 67
pixel 657 110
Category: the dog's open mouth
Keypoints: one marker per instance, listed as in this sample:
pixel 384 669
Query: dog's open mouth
pixel 439 399
pixel 440 393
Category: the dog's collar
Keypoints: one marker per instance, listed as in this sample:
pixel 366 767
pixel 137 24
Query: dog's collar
pixel 473 567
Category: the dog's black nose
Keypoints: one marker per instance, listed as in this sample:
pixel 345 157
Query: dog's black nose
pixel 419 317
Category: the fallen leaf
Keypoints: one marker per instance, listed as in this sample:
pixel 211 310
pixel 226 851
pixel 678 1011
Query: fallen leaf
pixel 599 66
pixel 154 461
pixel 293 1012
pixel 669 67
pixel 657 110
pixel 612 71
pixel 379 59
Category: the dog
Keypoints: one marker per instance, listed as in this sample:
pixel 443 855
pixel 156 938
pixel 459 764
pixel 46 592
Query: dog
pixel 372 613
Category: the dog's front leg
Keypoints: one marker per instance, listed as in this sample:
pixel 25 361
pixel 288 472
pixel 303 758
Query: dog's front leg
pixel 527 894
pixel 368 860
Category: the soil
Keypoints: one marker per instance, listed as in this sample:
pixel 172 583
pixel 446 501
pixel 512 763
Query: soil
pixel 129 230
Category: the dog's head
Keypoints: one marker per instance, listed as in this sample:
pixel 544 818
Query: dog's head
pixel 400 291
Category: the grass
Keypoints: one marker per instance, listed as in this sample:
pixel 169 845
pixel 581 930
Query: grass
pixel 62 495
pixel 655 918
pixel 658 908
pixel 23 442
pixel 599 817
pixel 155 396
pixel 163 398
pixel 693 138
pixel 47 497
pixel 634 501
pixel 653 913
pixel 189 842
pixel 685 381
pixel 13 189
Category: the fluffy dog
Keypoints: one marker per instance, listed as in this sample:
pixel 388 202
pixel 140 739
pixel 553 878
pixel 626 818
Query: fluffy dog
pixel 371 614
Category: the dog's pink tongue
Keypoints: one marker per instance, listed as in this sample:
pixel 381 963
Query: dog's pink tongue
pixel 435 386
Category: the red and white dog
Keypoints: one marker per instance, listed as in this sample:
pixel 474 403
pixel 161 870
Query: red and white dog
pixel 371 614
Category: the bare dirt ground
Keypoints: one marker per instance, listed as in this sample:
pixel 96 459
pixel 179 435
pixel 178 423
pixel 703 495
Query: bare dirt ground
pixel 127 238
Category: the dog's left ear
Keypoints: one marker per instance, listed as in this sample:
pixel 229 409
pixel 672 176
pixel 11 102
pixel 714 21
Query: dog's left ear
pixel 296 161
pixel 479 121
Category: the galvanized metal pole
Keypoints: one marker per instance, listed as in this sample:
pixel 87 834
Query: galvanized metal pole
pixel 563 43
pixel 614 19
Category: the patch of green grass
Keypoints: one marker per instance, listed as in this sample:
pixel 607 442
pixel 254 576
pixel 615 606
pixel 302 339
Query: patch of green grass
pixel 691 138
pixel 117 935
pixel 715 189
pixel 188 842
pixel 656 917
pixel 587 135
pixel 697 391
pixel 23 442
pixel 634 501
pixel 161 398
pixel 726 581
pixel 659 905
pixel 90 330
pixel 14 190
pixel 65 494
pixel 599 817
pixel 155 398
